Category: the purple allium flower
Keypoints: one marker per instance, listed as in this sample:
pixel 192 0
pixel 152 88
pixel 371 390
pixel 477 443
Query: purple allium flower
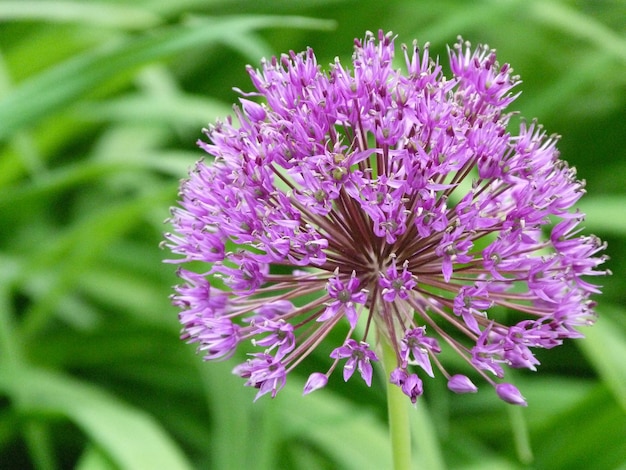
pixel 385 203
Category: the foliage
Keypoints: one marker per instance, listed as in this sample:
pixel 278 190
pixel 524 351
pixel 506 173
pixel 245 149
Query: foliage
pixel 100 106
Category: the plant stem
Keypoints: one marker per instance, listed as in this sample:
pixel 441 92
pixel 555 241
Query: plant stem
pixel 520 434
pixel 397 411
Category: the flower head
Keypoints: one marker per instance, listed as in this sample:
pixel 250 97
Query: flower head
pixel 376 201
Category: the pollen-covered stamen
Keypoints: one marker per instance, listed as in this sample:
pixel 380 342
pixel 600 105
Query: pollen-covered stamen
pixel 281 337
pixel 397 284
pixel 417 345
pixel 345 295
pixel 359 357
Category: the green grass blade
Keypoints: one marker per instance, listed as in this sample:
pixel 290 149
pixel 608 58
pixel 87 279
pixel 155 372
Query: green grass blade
pixel 351 435
pixel 101 14
pixel 130 437
pixel 63 84
pixel 605 347
pixel 589 435
pixel 567 19
pixel 603 214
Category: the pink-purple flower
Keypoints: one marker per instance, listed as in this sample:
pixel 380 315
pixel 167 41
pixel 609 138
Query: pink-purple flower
pixel 391 203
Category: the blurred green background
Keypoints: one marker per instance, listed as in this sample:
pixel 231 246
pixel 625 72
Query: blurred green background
pixel 101 103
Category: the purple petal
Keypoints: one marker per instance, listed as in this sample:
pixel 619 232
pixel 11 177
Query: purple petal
pixel 510 394
pixel 461 384
pixel 316 381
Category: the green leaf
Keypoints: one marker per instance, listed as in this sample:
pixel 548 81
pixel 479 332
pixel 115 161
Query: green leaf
pixel 129 437
pixel 55 267
pixel 584 26
pixel 63 84
pixel 350 434
pixel 589 435
pixel 100 13
pixel 605 347
pixel 94 459
pixel 191 111
pixel 427 449
pixel 601 214
pixel 231 407
pixel 59 180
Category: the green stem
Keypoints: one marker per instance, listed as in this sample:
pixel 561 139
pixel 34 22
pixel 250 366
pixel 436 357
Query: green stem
pixel 520 434
pixel 398 412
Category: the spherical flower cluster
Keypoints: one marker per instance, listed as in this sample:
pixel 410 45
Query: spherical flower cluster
pixel 393 205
